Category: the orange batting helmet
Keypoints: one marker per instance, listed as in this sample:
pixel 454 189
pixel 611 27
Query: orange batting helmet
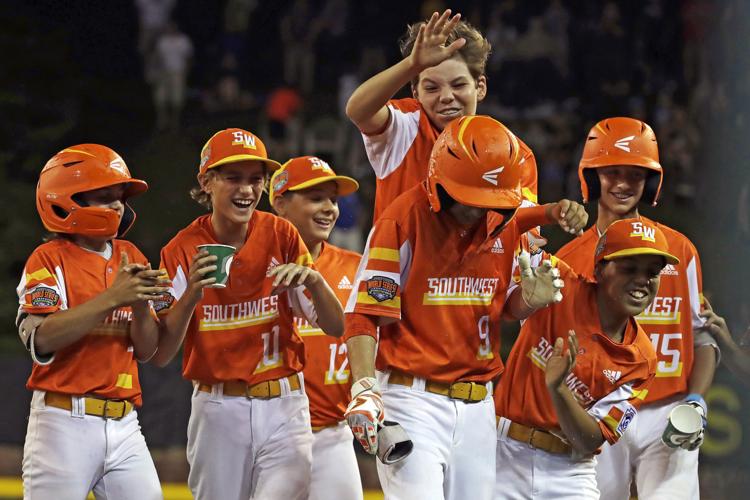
pixel 476 160
pixel 620 141
pixel 77 169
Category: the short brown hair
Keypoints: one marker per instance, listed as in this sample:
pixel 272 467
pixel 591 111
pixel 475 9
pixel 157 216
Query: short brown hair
pixel 204 199
pixel 475 51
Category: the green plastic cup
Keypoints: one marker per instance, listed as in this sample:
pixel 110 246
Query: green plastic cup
pixel 684 421
pixel 224 257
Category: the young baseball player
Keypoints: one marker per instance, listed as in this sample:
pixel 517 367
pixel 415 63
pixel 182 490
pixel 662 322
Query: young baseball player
pixel 557 406
pixel 305 192
pixel 249 431
pixel 444 61
pixel 434 277
pixel 85 317
pixel 619 168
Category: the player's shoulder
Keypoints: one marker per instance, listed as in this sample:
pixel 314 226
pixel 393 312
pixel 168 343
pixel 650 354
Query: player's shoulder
pixel 194 233
pixel 584 243
pixel 53 246
pixel 343 254
pixel 406 105
pixel 410 204
pixel 678 242
pixel 56 249
pixel 274 226
pixel 128 247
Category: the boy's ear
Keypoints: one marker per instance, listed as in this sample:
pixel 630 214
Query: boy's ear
pixel 598 270
pixel 414 92
pixel 279 205
pixel 204 180
pixel 481 87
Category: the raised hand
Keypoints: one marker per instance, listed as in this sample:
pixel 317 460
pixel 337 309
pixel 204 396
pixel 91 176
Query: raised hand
pixel 289 276
pixel 540 286
pixel 715 324
pixel 570 215
pixel 429 48
pixel 562 361
pixel 135 283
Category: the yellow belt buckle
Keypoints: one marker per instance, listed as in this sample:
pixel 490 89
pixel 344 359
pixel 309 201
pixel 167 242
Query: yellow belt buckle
pixel 481 389
pixel 106 409
pixel 259 391
pixel 454 389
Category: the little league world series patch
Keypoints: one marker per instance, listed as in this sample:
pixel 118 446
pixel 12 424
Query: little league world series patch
pixel 381 288
pixel 163 301
pixel 43 296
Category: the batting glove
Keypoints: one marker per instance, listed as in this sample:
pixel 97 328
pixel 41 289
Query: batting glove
pixel 365 413
pixel 540 286
pixel 696 439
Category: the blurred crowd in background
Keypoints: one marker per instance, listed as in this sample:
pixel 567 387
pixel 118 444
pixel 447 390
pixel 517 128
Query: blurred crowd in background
pixel 155 78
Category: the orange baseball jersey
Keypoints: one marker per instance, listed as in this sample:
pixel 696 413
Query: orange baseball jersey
pixel 610 380
pixel 61 275
pixel 400 154
pixel 240 332
pixel 437 289
pixel 671 318
pixel 327 380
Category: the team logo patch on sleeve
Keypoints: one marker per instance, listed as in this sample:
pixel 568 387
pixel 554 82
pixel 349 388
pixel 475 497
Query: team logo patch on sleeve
pixel 43 296
pixel 381 288
pixel 281 180
pixel 627 417
pixel 163 302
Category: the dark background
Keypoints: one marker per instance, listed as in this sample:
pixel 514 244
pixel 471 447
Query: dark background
pixel 73 72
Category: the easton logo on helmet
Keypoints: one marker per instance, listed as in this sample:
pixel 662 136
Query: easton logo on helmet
pixel 624 143
pixel 491 175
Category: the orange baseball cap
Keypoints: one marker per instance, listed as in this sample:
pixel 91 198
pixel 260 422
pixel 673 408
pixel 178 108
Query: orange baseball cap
pixel 627 237
pixel 307 171
pixel 232 145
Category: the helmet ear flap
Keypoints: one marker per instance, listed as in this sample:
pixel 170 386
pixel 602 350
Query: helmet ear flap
pixel 592 182
pixel 128 218
pixel 651 188
pixel 446 202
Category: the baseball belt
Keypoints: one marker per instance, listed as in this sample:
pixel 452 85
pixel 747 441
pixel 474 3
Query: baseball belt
pixel 538 438
pixel 107 408
pixel 469 392
pixel 262 390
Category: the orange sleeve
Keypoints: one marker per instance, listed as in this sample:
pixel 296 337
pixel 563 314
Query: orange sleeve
pixel 528 218
pixel 40 290
pixel 356 324
pixel 382 273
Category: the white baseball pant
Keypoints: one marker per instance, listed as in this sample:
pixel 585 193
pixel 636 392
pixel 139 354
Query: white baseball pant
pixel 68 453
pixel 659 472
pixel 454 445
pixel 335 473
pixel 240 448
pixel 523 472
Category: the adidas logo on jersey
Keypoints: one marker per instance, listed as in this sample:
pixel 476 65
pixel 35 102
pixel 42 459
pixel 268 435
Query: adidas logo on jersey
pixel 497 247
pixel 612 375
pixel 271 265
pixel 669 270
pixel 345 284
